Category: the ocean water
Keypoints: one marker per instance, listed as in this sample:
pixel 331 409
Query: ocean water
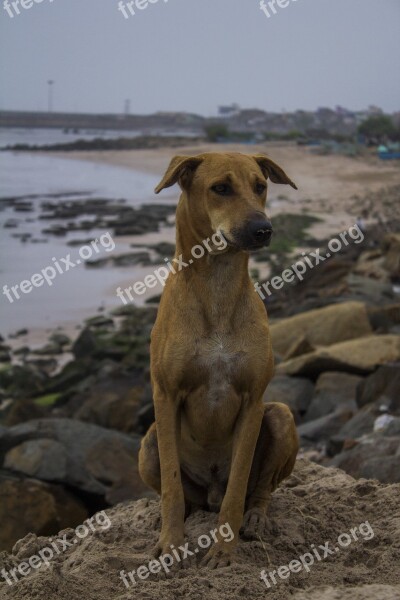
pixel 23 174
pixel 80 291
pixel 10 136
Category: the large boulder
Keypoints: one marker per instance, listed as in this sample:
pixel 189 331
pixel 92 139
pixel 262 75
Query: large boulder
pixel 113 399
pixel 361 356
pixel 33 506
pixel 80 455
pixel 322 327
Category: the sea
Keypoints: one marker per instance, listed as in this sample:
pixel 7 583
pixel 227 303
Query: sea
pixel 81 291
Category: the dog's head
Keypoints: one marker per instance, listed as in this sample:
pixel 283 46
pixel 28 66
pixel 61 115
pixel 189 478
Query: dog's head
pixel 227 193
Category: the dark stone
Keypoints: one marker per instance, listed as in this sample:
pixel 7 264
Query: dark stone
pixel 325 427
pixel 333 390
pixel 382 387
pixel 295 392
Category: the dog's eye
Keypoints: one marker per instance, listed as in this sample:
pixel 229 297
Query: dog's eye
pixel 222 189
pixel 260 188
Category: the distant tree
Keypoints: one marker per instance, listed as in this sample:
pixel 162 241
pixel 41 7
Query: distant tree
pixel 378 127
pixel 216 132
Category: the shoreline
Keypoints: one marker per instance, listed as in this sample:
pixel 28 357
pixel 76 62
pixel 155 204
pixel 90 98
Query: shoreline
pixel 323 192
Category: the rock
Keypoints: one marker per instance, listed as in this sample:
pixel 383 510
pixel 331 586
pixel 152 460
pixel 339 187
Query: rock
pixel 325 427
pixel 24 507
pixel 5 355
pixel 154 299
pixel 359 356
pixel 130 343
pixel 332 390
pixel 295 392
pixel 81 455
pixel 22 381
pixel 361 423
pixel 43 459
pixel 85 343
pixel 75 373
pixel 322 327
pixel 391 249
pixel 299 347
pixel 382 387
pixel 145 417
pixel 164 249
pixel 100 321
pixel 111 402
pixel 20 410
pixel 132 259
pixel 19 333
pixel 60 339
pixel 375 456
pixel 385 318
pixel 393 428
pixel 386 470
pixel 369 290
pixel 22 351
pixel 29 506
pixel 48 349
pixel 382 422
pixel 44 365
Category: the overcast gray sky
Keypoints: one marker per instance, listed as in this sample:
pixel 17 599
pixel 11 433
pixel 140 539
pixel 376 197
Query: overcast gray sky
pixel 193 55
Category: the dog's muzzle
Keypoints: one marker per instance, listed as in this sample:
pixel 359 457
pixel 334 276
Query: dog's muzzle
pixel 254 235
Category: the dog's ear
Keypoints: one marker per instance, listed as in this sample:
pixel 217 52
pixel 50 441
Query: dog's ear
pixel 181 168
pixel 272 170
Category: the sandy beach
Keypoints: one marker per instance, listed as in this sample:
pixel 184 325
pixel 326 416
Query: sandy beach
pixel 327 185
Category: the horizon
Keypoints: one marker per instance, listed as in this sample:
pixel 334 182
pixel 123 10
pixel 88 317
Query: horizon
pixel 214 116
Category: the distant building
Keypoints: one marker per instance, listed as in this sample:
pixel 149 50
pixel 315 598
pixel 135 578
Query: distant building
pixel 228 111
pixel 374 110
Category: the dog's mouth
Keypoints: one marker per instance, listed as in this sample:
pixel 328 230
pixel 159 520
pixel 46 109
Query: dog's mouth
pixel 245 247
pixel 227 240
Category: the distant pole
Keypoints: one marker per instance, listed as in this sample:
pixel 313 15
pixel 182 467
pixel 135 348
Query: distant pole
pixel 50 83
pixel 127 108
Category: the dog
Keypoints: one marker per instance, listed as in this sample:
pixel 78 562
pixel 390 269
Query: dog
pixel 215 444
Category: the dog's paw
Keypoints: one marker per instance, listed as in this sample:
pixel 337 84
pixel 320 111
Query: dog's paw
pixel 173 556
pixel 218 557
pixel 254 524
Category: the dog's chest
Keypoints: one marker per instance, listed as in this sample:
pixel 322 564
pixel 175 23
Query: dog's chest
pixel 220 362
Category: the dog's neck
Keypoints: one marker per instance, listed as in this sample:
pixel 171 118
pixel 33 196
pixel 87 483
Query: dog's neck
pixel 219 280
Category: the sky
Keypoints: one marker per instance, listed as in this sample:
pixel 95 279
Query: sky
pixel 194 55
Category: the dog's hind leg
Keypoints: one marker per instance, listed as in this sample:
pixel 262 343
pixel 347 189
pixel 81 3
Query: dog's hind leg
pixel 274 459
pixel 149 469
pixel 149 460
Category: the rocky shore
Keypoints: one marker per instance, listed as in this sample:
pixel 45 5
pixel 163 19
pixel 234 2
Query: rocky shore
pixel 72 414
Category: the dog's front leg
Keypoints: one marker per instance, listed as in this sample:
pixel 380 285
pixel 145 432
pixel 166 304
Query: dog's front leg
pixel 232 509
pixel 172 498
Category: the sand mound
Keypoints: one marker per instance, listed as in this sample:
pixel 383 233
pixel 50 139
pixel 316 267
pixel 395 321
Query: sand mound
pixel 315 505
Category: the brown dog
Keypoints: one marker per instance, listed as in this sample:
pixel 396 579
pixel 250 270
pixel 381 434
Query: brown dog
pixel 215 444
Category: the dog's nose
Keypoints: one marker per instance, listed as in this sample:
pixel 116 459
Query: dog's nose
pixel 261 231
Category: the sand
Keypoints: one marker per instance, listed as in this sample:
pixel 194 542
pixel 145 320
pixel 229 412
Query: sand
pixel 326 184
pixel 314 506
